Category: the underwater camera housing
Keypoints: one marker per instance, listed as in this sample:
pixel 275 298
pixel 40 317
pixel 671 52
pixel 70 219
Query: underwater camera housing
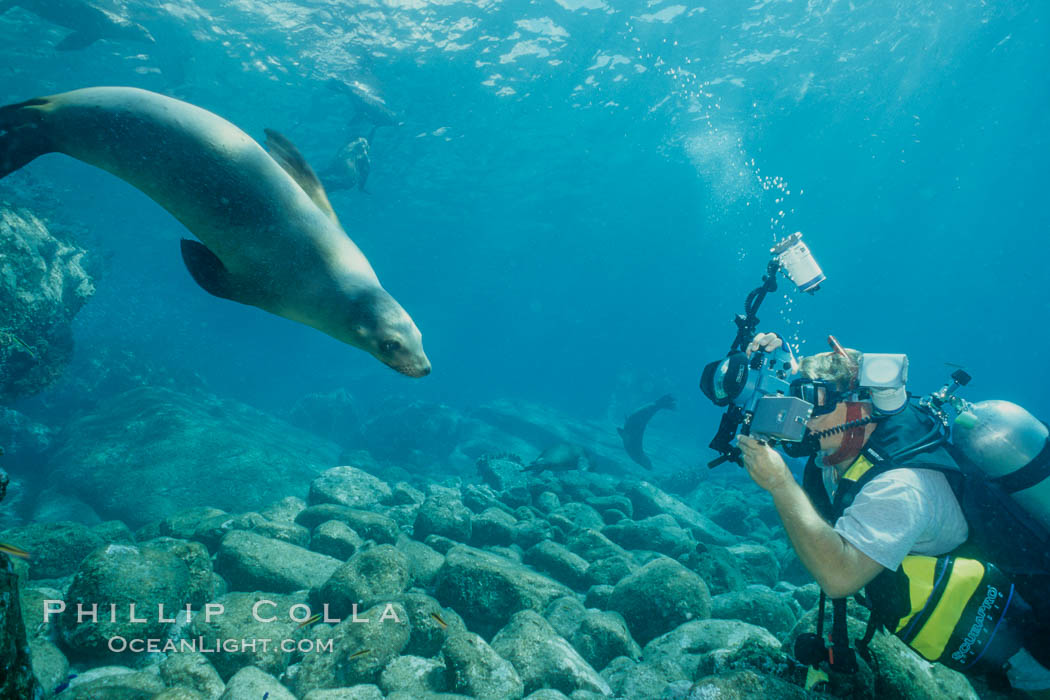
pixel 756 392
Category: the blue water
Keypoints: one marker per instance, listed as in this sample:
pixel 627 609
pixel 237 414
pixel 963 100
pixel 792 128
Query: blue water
pixel 582 192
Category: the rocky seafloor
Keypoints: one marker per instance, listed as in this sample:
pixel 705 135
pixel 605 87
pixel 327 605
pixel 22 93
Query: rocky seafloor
pixel 484 580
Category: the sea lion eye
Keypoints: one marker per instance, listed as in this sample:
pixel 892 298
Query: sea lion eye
pixel 390 346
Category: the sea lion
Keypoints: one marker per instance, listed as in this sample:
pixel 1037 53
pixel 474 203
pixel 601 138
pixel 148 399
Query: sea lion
pixel 561 457
pixel 350 168
pixel 88 22
pixel 633 429
pixel 368 106
pixel 269 237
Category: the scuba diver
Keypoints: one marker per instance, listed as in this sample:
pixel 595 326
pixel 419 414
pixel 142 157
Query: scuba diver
pixel 938 508
pixel 883 508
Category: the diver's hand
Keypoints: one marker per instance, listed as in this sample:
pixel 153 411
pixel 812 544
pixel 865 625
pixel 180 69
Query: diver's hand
pixel 764 464
pixel 764 341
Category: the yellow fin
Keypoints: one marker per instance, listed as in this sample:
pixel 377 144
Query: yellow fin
pixel 288 157
pixel 814 676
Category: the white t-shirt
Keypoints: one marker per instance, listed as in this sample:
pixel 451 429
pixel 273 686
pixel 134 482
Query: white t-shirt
pixel 902 512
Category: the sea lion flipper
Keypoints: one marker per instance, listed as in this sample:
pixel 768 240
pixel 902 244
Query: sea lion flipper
pixel 208 271
pixel 288 157
pixel 77 40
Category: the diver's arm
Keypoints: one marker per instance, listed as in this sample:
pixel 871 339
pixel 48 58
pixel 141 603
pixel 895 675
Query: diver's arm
pixel 840 568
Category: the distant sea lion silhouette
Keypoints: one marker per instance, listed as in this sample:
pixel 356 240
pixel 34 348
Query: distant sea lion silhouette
pixel 561 457
pixel 633 429
pixel 88 22
pixel 368 106
pixel 269 237
pixel 350 168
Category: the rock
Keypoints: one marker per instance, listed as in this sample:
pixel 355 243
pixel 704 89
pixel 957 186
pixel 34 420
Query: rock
pixel 757 563
pixel 609 571
pixel 253 562
pixel 369 525
pixel 638 681
pixel 565 615
pixel 43 284
pixel 251 683
pixel 547 694
pixel 335 539
pixel 443 513
pixel 197 449
pixel 50 665
pixel 704 647
pixel 413 674
pixel 404 494
pixel 349 486
pixel 124 575
pixel 579 516
pixel 423 562
pixel 17 679
pixel 362 691
pixel 492 527
pixel 198 562
pixel 475 669
pixel 411 432
pixel 332 415
pixel 658 597
pixel 592 545
pixel 555 560
pixel 285 510
pixel 53 506
pixel 603 636
pixel 192 670
pixel 599 597
pixel 488 589
pixel 758 606
pixel 649 500
pixel 531 532
pixel 369 576
pixel 113 532
pixel 360 650
pixel 235 619
pixel 659 533
pixel 745 684
pixel 430 624
pixel 211 530
pixel 904 674
pixel 283 532
pixel 113 682
pixel 56 548
pixel 720 570
pixel 180 693
pixel 185 524
pixel 617 502
pixel 548 501
pixel 543 659
pixel 506 475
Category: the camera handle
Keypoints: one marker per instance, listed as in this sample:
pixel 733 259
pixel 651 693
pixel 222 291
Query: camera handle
pixel 747 323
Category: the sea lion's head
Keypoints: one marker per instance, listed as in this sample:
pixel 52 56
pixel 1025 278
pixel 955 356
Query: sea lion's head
pixel 379 325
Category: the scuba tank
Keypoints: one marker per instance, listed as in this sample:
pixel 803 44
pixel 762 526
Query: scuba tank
pixel 1011 448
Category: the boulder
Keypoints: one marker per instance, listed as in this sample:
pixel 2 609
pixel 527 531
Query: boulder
pixel 603 636
pixel 248 616
pixel 757 563
pixel 17 679
pixel 649 500
pixel 349 486
pixel 658 597
pixel 414 675
pixel 191 669
pixel 487 589
pixel 43 284
pixel 757 605
pixel 369 576
pixel 369 525
pixel 658 533
pixel 558 562
pixel 475 669
pixel 125 576
pixel 704 647
pixel 201 452
pixel 361 648
pixel 251 683
pixel 543 659
pixel 335 539
pixel 424 563
pixel 443 513
pixel 252 562
pixel 56 549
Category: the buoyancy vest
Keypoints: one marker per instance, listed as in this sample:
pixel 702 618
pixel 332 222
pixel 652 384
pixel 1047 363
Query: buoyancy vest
pixel 958 609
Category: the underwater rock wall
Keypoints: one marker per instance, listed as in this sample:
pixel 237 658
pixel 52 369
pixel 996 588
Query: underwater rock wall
pixel 43 284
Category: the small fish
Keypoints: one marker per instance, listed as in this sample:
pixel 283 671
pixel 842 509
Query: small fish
pixel 266 695
pixel 437 619
pixel 64 684
pixel 310 620
pixel 14 551
pixel 357 654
